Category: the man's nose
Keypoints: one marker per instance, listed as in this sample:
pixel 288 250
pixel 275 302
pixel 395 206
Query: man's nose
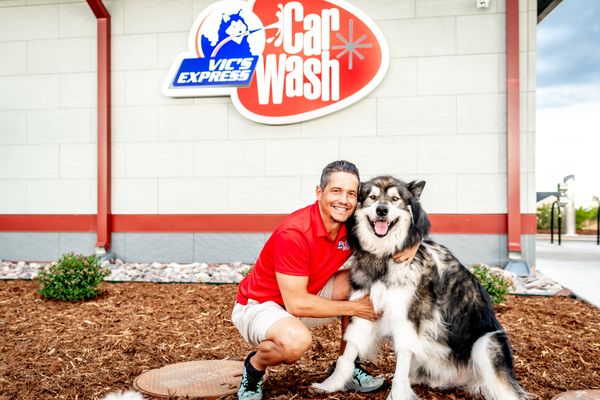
pixel 381 210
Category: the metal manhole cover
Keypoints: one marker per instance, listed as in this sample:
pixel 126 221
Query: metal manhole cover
pixel 195 379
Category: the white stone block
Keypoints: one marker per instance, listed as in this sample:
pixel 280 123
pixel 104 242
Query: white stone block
pixel 14 58
pixel 502 73
pixel 308 187
pixel 194 196
pixel 169 46
pixel 76 20
pixel 60 126
pixel 481 193
pixel 400 79
pixel 416 115
pixel 531 82
pixel 299 157
pixel 481 113
pixel 25 92
pixel 360 119
pixel 381 155
pixel 152 160
pixel 269 195
pixel 386 9
pixel 484 33
pixel 459 154
pixel 28 23
pixel 134 124
pixel 13 127
pixel 64 196
pixel 240 127
pixel 432 8
pixel 29 162
pixel 420 36
pixel 117 88
pixel 200 5
pixel 60 55
pixel 192 122
pixel 229 158
pixel 143 88
pixel 78 90
pixel 134 52
pixel 118 157
pixel 135 196
pixel 79 161
pixel 439 195
pixel 151 16
pixel 13 197
pixel 116 8
pixel 458 74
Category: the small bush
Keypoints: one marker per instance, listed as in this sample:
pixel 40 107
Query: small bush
pixel 496 284
pixel 73 277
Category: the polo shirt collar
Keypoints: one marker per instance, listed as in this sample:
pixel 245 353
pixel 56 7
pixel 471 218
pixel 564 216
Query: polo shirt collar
pixel 317 225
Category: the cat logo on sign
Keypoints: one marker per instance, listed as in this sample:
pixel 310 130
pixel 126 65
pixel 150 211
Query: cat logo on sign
pixel 281 61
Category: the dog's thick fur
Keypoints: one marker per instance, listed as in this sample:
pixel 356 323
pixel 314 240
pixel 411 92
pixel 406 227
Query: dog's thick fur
pixel 441 321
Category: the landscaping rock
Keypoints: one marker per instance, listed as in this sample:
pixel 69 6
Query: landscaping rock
pixel 579 395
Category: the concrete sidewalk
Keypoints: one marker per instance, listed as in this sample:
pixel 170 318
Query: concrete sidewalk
pixel 574 264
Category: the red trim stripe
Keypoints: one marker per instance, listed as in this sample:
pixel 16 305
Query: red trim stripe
pixel 238 223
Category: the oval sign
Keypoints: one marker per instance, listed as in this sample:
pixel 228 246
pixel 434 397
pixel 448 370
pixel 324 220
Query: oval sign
pixel 281 62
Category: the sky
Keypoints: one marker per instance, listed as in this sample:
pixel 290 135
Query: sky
pixel 568 99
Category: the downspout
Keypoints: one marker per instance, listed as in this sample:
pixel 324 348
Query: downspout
pixel 103 223
pixel 513 135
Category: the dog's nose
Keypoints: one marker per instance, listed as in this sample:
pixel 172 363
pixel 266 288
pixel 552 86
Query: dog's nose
pixel 381 210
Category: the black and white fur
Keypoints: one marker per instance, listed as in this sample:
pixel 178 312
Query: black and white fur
pixel 441 321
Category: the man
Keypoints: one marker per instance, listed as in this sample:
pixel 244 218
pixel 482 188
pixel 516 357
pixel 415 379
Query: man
pixel 296 283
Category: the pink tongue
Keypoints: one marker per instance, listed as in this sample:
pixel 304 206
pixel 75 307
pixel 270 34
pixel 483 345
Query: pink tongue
pixel 381 227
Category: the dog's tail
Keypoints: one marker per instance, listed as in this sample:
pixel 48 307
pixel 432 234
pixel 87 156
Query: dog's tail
pixel 492 363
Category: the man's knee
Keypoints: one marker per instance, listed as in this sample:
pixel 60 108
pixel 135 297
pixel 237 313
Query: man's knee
pixel 294 339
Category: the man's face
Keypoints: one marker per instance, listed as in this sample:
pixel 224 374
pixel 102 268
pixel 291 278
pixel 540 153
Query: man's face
pixel 338 199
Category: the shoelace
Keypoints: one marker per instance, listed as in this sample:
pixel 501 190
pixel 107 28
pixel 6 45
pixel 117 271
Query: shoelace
pixel 360 374
pixel 253 384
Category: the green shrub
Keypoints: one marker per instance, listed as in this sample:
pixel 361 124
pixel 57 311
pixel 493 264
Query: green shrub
pixel 496 284
pixel 73 277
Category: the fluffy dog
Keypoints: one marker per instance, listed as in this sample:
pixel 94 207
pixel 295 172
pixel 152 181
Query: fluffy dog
pixel 441 321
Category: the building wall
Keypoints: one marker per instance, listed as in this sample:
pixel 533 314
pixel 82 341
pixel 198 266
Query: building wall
pixel 439 115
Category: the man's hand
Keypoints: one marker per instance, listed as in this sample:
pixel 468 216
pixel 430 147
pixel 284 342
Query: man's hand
pixel 407 254
pixel 364 309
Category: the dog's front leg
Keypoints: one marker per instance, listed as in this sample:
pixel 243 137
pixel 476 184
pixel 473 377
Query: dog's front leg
pixel 401 389
pixel 344 369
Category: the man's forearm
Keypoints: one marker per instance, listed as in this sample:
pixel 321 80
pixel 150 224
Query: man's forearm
pixel 319 307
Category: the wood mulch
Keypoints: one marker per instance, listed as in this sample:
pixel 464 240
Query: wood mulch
pixel 59 350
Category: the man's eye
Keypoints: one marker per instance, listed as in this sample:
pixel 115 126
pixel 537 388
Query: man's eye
pixel 395 198
pixel 373 197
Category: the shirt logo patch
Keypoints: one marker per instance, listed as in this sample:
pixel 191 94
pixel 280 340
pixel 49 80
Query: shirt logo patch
pixel 343 245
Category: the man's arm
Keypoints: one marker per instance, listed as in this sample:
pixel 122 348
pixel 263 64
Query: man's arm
pixel 300 303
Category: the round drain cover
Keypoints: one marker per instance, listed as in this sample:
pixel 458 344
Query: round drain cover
pixel 579 395
pixel 194 379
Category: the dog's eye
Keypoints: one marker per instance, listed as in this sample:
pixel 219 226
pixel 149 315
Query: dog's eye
pixel 395 198
pixel 373 197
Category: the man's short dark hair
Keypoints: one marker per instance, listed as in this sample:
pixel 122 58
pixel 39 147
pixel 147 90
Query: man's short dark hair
pixel 337 166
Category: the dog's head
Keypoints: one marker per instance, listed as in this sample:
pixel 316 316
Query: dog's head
pixel 389 217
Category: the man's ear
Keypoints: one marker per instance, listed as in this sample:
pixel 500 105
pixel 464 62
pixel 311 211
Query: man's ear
pixel 416 188
pixel 318 192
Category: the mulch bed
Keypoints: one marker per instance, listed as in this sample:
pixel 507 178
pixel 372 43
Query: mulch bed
pixel 59 350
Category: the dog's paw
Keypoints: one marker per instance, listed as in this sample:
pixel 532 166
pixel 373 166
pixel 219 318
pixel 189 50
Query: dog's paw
pixel 326 386
pixel 129 395
pixel 403 396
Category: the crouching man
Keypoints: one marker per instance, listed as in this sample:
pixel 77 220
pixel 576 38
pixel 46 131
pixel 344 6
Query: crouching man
pixel 297 284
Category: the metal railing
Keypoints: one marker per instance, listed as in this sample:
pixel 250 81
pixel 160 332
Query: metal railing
pixel 598 226
pixel 552 222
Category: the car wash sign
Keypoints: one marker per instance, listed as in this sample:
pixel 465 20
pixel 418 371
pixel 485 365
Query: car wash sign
pixel 281 61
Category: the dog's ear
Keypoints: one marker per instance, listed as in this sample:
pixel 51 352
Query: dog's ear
pixel 416 188
pixel 363 190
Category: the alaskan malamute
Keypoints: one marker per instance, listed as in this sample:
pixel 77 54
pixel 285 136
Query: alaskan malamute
pixel 441 321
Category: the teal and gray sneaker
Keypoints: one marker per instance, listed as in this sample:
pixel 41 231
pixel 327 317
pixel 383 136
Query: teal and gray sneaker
pixel 362 381
pixel 251 385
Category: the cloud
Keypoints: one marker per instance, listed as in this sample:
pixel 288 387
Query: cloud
pixel 568 45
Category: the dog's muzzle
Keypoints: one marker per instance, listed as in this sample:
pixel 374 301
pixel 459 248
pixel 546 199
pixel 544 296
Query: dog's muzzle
pixel 381 225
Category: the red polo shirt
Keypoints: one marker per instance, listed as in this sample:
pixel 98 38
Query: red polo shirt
pixel 299 246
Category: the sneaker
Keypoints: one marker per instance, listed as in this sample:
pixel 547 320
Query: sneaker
pixel 251 384
pixel 362 381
